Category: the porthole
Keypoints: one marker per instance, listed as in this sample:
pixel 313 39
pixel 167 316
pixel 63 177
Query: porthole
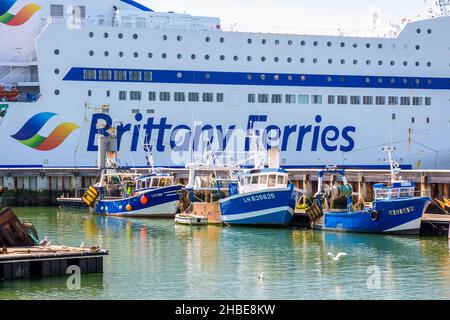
pixel 179 38
pixel 106 53
pixel 277 42
pixel 263 59
pixel 289 77
pixel 135 54
pixel 164 55
pixel 380 46
pixel 56 71
pixel 222 57
pixel 329 43
pixel 380 62
pixel 207 39
pixel 368 62
pixel 368 45
pixel 405 63
pixel 429 81
pixel 263 77
pixel 276 77
pixel 303 78
pixel 264 41
pixel 342 61
pixel 417 63
pixel 429 31
pixel 289 60
pixel 249 77
pixel 367 80
pixel 417 47
pixel 120 35
pixel 135 36
pixel 302 42
pixel 222 40
pixel 342 79
pixel 330 61
pixel 207 76
pixel 355 45
pixel 164 37
pixel 150 55
pixel 91 53
pixel 276 59
pixel 392 63
pixel 56 52
pixel 179 75
pixel 417 81
pixel 179 56
pixel 342 44
pixel 392 80
pixel 206 56
pixel 315 60
pixel 418 30
pixel 329 79
pixel 91 34
pixel 316 43
pixel 290 42
pixel 121 54
pixel 428 64
pixel 193 56
pixel 56 92
pixel 249 58
pixel 380 80
pixel 355 62
pixel 106 35
pixel 249 41
pixel 302 60
pixel 405 81
pixel 235 58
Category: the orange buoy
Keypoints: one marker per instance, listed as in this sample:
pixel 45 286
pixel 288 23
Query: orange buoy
pixel 129 207
pixel 144 200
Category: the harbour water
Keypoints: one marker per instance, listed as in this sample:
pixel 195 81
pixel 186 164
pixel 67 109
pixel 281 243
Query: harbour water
pixel 156 259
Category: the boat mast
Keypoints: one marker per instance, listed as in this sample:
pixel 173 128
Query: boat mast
pixel 393 165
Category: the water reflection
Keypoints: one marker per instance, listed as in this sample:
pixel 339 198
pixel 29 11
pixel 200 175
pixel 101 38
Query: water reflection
pixel 156 259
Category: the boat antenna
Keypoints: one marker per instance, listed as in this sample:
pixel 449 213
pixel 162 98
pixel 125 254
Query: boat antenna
pixel 149 155
pixel 393 165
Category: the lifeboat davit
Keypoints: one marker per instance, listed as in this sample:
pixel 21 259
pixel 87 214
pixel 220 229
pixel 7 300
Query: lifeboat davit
pixel 9 94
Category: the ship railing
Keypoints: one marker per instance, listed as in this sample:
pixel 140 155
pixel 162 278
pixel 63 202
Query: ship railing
pixel 125 22
pixel 400 193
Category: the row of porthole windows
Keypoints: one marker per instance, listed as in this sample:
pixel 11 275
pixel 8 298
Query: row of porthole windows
pixel 264 41
pixel 263 59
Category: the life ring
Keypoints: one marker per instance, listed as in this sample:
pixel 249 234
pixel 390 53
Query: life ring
pixel 374 215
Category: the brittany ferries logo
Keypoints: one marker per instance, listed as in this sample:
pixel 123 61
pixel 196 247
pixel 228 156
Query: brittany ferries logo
pixel 28 134
pixel 20 17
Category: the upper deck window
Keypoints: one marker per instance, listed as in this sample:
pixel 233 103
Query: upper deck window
pixel 57 10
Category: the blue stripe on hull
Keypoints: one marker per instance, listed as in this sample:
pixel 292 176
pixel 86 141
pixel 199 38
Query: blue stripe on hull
pixel 155 198
pixel 278 218
pixel 401 216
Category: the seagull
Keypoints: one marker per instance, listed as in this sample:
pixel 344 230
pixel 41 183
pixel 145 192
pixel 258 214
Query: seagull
pixel 82 245
pixel 261 276
pixel 44 241
pixel 338 256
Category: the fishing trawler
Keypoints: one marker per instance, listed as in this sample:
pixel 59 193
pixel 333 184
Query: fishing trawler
pixel 396 208
pixel 263 196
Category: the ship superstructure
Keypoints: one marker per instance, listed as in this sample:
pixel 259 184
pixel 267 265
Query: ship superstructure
pixel 174 80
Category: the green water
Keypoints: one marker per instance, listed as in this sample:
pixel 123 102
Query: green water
pixel 156 259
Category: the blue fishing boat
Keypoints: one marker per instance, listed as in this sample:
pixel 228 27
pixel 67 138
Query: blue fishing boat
pixel 396 209
pixel 263 196
pixel 155 195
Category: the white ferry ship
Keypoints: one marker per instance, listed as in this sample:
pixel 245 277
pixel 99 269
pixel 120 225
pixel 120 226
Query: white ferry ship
pixel 67 68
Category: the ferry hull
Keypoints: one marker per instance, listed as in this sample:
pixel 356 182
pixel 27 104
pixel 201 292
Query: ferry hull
pixel 162 203
pixel 402 216
pixel 262 208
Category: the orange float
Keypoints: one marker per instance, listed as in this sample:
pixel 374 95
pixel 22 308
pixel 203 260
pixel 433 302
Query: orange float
pixel 144 200
pixel 129 207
